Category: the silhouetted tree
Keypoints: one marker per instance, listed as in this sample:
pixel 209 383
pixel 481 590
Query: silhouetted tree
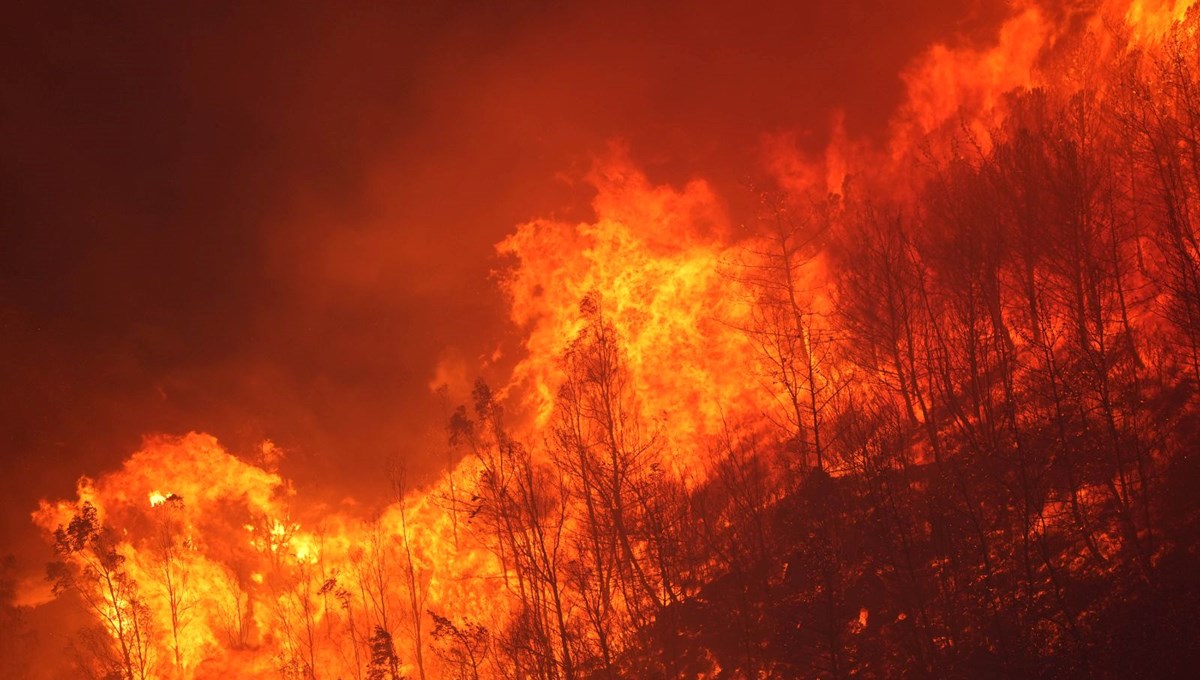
pixel 384 664
pixel 91 566
pixel 463 647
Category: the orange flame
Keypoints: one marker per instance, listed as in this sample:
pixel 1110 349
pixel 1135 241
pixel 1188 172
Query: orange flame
pixel 237 580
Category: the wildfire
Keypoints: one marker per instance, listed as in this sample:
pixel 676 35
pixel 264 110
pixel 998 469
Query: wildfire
pixel 1150 20
pixel 652 332
pixel 657 264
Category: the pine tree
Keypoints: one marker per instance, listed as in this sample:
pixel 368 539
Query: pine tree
pixel 385 665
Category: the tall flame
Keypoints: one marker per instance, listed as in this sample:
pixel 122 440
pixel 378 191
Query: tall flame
pixel 657 260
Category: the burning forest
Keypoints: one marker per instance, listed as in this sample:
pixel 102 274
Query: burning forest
pixel 917 402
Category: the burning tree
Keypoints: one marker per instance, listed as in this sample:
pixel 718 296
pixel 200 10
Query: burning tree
pixel 90 566
pixel 383 664
pixel 463 646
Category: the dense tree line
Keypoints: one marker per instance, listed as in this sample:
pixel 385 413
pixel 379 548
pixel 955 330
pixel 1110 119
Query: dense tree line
pixel 983 463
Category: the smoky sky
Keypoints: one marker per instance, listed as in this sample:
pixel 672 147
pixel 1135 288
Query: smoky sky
pixel 270 221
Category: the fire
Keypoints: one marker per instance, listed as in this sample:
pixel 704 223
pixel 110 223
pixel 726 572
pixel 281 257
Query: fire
pixel 214 603
pixel 950 84
pixel 657 264
pixel 1150 20
pixel 670 349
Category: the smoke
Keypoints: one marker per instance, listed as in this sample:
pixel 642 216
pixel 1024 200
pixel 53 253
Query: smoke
pixel 271 224
pixel 281 225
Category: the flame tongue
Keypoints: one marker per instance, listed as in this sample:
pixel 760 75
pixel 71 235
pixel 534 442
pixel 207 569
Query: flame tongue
pixel 654 266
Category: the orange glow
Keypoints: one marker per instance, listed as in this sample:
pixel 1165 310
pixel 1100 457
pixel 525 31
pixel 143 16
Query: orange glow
pixel 949 84
pixel 670 344
pixel 656 260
